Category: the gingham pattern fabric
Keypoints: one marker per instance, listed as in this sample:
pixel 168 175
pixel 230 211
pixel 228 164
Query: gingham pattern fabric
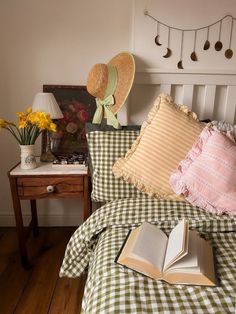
pixel 104 149
pixel 110 288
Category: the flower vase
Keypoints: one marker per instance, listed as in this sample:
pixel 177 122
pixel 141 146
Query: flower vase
pixel 28 160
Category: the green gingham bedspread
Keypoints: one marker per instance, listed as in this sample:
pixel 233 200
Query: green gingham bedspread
pixel 111 288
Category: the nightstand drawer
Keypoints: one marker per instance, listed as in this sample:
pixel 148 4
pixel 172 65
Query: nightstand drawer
pixel 53 187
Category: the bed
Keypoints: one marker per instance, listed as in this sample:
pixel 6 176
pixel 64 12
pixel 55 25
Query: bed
pixel 110 288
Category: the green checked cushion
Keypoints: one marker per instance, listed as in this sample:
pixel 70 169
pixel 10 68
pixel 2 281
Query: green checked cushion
pixel 105 147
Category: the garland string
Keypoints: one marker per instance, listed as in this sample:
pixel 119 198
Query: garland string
pixel 188 29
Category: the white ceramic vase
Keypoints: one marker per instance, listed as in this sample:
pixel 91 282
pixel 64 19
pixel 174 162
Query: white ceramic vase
pixel 28 159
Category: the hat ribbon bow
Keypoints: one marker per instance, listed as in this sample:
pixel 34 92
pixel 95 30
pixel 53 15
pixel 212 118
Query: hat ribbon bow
pixel 103 105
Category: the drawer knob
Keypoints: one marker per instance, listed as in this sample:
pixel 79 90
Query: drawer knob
pixel 50 188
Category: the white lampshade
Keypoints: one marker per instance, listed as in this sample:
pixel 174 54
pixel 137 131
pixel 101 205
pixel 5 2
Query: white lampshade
pixel 46 102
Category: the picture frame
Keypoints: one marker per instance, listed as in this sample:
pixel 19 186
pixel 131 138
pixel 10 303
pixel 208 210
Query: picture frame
pixel 78 107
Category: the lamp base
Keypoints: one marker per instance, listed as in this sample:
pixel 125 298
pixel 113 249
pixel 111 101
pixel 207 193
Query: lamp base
pixel 47 156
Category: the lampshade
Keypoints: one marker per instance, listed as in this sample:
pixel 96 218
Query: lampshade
pixel 46 102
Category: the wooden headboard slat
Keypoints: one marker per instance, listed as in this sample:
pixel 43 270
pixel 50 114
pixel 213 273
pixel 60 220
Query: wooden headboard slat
pixel 230 104
pixel 209 100
pixel 188 95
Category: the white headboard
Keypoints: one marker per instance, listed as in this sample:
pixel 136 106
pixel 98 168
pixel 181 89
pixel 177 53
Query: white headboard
pixel 210 95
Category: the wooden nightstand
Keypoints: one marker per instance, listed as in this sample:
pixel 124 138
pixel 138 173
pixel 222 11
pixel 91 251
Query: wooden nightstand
pixel 44 182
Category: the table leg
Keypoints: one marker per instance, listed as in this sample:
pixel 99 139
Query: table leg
pixel 19 223
pixel 34 215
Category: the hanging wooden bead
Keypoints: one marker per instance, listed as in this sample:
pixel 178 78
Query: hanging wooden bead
pixel 193 55
pixel 168 52
pixel 180 63
pixel 207 43
pixel 218 44
pixel 229 52
pixel 157 36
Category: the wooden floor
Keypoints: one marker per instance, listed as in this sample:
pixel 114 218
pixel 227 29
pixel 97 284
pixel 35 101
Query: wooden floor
pixel 38 290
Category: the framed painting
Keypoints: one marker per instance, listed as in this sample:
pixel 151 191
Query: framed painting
pixel 78 107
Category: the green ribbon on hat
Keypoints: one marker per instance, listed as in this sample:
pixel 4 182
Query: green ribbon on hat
pixel 103 105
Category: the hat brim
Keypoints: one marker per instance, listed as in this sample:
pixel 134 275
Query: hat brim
pixel 125 65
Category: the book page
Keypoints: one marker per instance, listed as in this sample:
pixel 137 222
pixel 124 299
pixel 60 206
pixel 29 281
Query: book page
pixel 151 245
pixel 191 260
pixel 202 274
pixel 177 244
pixel 207 261
pixel 129 244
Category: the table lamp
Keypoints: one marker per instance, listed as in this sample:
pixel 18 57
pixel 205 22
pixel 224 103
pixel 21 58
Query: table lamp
pixel 46 102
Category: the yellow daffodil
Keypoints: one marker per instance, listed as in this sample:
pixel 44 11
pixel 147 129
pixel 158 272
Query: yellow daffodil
pixel 29 110
pixel 3 123
pixel 30 126
pixel 53 127
pixel 21 115
pixel 22 124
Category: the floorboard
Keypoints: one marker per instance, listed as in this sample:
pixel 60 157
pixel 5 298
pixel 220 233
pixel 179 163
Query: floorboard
pixel 39 289
pixel 68 296
pixel 8 246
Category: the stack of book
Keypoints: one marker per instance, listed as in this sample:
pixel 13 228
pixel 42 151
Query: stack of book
pixel 75 161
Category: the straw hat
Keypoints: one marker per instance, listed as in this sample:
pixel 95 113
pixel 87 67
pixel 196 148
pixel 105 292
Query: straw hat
pixel 98 77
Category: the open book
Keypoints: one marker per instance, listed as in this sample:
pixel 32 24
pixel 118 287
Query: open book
pixel 183 258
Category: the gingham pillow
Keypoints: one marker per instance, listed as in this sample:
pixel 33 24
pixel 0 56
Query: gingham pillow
pixel 105 148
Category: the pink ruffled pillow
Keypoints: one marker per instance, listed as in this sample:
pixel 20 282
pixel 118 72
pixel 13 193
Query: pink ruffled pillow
pixel 207 176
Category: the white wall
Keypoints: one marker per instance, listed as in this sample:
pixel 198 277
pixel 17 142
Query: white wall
pixel 51 42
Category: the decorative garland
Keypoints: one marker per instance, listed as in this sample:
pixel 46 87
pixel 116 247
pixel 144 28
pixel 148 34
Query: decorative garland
pixel 207 44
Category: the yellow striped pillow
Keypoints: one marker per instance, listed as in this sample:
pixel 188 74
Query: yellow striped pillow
pixel 164 140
